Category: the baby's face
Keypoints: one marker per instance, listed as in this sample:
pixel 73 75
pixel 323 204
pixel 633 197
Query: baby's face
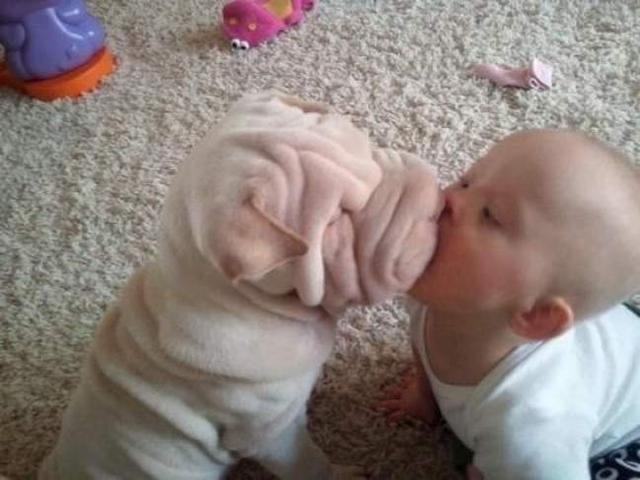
pixel 498 229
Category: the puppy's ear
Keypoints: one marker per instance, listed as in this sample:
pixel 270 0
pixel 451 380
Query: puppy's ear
pixel 254 243
pixel 304 105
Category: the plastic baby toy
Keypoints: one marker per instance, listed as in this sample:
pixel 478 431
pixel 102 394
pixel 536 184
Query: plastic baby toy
pixel 538 75
pixel 249 23
pixel 53 48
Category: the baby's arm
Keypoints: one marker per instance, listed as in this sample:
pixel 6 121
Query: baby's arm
pixel 412 396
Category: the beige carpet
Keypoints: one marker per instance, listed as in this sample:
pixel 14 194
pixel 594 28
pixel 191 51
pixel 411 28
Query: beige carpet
pixel 81 182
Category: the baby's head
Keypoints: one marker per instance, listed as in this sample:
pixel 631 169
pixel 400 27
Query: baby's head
pixel 543 230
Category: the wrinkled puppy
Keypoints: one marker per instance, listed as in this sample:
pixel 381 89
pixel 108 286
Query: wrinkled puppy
pixel 281 218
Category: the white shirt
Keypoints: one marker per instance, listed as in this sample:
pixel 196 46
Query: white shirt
pixel 548 407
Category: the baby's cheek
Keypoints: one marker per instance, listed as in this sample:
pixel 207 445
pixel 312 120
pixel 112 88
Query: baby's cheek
pixel 482 274
pixel 486 283
pixel 499 282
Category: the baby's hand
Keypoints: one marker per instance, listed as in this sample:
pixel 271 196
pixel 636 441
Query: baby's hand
pixel 410 398
pixel 344 472
pixel 473 473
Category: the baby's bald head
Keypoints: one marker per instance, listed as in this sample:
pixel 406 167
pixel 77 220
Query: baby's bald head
pixel 586 197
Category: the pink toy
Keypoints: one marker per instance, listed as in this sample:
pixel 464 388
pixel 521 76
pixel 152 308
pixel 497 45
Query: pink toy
pixel 249 23
pixel 537 76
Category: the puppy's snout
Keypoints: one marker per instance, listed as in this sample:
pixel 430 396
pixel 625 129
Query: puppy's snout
pixel 440 206
pixel 452 204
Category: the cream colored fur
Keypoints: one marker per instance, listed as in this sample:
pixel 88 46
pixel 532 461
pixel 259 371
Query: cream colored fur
pixel 213 347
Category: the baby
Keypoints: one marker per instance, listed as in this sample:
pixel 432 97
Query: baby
pixel 520 338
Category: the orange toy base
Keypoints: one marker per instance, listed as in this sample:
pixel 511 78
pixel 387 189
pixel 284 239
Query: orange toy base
pixel 71 84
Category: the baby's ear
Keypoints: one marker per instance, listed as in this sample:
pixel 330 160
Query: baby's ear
pixel 545 320
pixel 254 243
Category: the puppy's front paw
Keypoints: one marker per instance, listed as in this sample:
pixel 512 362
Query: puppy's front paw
pixel 347 472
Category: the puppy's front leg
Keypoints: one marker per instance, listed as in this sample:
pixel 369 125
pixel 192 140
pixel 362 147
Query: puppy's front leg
pixel 294 455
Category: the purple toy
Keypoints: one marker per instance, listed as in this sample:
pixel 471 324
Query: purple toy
pixel 47 38
pixel 248 23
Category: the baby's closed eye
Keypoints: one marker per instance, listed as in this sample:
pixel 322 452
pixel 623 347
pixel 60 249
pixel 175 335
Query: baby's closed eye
pixel 489 217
